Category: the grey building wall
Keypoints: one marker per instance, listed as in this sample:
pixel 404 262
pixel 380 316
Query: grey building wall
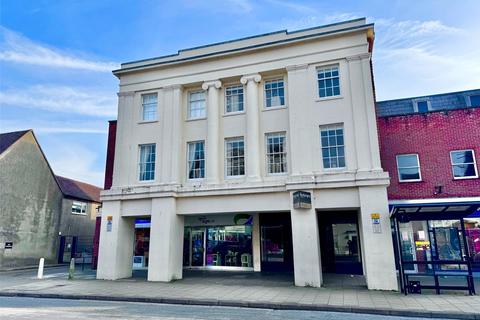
pixel 438 102
pixel 30 206
pixel 81 226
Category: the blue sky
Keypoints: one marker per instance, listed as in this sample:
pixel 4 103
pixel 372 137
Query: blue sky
pixel 56 57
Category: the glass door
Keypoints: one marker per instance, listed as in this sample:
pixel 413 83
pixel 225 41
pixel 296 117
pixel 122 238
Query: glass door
pixel 197 248
pixel 346 246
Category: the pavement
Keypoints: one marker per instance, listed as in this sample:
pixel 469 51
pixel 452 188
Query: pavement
pixel 236 289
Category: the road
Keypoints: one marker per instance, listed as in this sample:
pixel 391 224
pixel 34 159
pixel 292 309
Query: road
pixel 17 308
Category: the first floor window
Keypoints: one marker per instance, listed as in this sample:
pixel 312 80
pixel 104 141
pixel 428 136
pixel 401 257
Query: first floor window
pixel 328 82
pixel 276 153
pixel 333 146
pixel 149 107
pixel 408 167
pixel 196 105
pixel 79 208
pixel 147 162
pixel 234 99
pixel 196 160
pixel 463 164
pixel 274 93
pixel 235 157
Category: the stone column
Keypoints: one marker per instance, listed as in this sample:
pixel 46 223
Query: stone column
pixel 213 124
pixel 377 248
pixel 307 263
pixel 166 241
pixel 253 126
pixel 115 255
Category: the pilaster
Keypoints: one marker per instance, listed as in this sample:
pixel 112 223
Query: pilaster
pixel 213 124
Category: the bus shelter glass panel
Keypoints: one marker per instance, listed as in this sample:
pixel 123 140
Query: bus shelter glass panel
pixel 472 232
pixel 416 246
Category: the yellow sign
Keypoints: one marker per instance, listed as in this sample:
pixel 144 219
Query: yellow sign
pixel 422 243
pixel 375 215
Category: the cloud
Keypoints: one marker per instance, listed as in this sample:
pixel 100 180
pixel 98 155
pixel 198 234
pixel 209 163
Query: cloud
pixel 16 48
pixel 55 126
pixel 62 99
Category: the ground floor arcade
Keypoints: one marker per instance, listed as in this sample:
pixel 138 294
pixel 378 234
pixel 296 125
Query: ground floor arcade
pixel 343 232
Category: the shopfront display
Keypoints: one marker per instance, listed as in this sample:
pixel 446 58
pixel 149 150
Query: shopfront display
pixel 142 244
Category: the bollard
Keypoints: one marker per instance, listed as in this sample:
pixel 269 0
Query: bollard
pixel 40 268
pixel 71 270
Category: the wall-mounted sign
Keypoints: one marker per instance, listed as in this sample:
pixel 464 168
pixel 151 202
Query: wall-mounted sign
pixel 377 227
pixel 8 245
pixel 109 223
pixel 302 200
pixel 243 219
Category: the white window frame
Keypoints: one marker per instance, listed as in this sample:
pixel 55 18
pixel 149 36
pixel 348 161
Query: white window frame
pixel 273 79
pixel 233 140
pixel 142 116
pixel 328 127
pixel 474 165
pixel 229 87
pixel 322 68
pixel 189 143
pixel 416 101
pixel 139 163
pixel 418 166
pixel 83 208
pixel 189 101
pixel 285 152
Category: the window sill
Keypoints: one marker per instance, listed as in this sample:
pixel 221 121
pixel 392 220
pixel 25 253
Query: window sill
pixel 329 98
pixel 231 114
pixel 146 181
pixel 274 108
pixel 80 214
pixel 195 119
pixel 408 181
pixel 464 178
pixel 147 121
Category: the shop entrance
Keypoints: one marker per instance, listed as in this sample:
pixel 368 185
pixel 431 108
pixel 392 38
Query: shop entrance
pixel 340 242
pixel 276 241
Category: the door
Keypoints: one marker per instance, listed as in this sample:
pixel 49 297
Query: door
pixel 197 248
pixel 340 243
pixel 276 242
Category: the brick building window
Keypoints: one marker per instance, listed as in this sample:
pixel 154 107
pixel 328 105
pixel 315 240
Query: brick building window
pixel 333 146
pixel 464 165
pixel 146 162
pixel 474 100
pixel 79 208
pixel 149 107
pixel 235 157
pixel 422 106
pixel 408 167
pixel 196 160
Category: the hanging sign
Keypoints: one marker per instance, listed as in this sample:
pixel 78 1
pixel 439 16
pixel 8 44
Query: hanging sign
pixel 8 245
pixel 377 227
pixel 109 223
pixel 302 200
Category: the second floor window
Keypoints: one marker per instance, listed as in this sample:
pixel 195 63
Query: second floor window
pixel 196 160
pixel 328 82
pixel 147 162
pixel 463 164
pixel 408 167
pixel 235 157
pixel 149 107
pixel 333 146
pixel 276 153
pixel 274 93
pixel 196 105
pixel 234 99
pixel 79 208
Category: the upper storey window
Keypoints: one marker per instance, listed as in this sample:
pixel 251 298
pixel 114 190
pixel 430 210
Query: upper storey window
pixel 422 106
pixel 196 160
pixel 463 164
pixel 276 153
pixel 196 105
pixel 333 146
pixel 408 168
pixel 149 107
pixel 274 93
pixel 234 99
pixel 79 208
pixel 474 100
pixel 328 82
pixel 146 162
pixel 235 157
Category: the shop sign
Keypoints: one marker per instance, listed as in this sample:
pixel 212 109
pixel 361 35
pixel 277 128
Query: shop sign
pixel 8 245
pixel 109 223
pixel 243 219
pixel 302 200
pixel 377 227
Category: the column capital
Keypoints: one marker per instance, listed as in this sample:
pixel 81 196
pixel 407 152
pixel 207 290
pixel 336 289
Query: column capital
pixel 217 84
pixel 361 56
pixel 251 77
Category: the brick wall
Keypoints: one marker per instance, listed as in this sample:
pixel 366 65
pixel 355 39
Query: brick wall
pixel 432 136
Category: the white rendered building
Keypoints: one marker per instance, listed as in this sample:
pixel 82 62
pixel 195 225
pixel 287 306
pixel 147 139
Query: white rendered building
pixel 214 144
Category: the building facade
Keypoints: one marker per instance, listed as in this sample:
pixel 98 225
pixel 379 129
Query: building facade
pixel 431 147
pixel 42 215
pixel 255 154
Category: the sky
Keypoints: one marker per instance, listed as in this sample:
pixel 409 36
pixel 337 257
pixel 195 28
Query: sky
pixel 56 57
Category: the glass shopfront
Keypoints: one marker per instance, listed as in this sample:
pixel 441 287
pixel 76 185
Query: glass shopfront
pixel 219 246
pixel 142 244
